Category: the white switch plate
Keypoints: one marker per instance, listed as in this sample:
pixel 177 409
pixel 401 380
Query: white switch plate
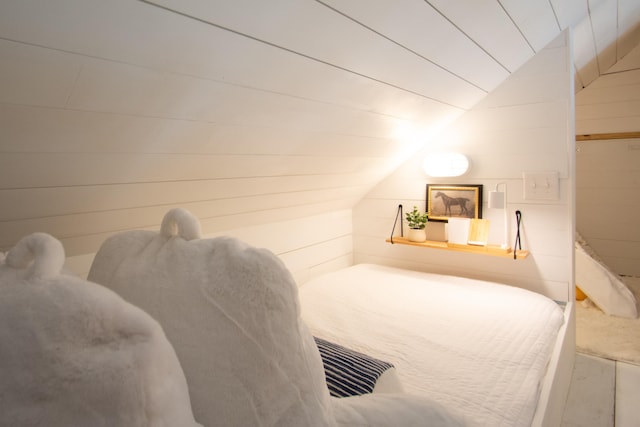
pixel 541 185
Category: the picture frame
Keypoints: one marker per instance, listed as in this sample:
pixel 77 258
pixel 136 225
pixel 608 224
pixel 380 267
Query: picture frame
pixel 446 201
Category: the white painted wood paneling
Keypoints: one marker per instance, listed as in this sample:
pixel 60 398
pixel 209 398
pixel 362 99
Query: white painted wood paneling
pixel 536 21
pixel 547 229
pixel 56 201
pixel 570 12
pixel 628 29
pixel 405 22
pixel 615 110
pixel 503 42
pixel 624 124
pixel 67 169
pixel 606 95
pixel 36 76
pixel 610 104
pixel 628 63
pixel 284 237
pixel 608 197
pixel 501 270
pixel 88 222
pixel 170 111
pixel 377 57
pixel 124 89
pixel 114 111
pixel 585 52
pixel 196 49
pixel 306 245
pixel 320 252
pixel 79 241
pixel 604 21
pixel 608 171
pixel 61 131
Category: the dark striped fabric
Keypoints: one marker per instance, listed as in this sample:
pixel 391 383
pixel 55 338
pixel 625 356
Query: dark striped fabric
pixel 348 372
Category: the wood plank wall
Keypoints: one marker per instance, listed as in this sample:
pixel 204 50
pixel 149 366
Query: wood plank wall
pixel 524 125
pixel 608 170
pixel 114 112
pixel 308 246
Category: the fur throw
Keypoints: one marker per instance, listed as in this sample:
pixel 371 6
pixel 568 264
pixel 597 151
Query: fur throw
pixel 73 353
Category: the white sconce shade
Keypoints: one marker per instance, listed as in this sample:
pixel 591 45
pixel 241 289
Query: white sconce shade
pixel 446 164
pixel 498 200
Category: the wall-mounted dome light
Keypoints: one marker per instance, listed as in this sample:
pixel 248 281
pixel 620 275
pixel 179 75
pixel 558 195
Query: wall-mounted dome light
pixel 446 164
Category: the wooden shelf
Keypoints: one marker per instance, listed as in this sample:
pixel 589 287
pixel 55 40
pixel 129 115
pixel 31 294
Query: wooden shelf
pixel 484 250
pixel 604 136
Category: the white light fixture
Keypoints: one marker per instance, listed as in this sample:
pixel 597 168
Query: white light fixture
pixel 498 200
pixel 446 164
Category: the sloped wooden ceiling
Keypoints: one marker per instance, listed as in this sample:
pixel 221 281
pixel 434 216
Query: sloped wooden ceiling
pixel 248 111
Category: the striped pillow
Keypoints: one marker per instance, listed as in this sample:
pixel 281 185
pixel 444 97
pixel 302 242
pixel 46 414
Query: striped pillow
pixel 348 372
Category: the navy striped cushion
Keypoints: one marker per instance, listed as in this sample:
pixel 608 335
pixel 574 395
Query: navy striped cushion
pixel 348 372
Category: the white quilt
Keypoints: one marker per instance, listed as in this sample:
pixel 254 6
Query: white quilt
pixel 475 346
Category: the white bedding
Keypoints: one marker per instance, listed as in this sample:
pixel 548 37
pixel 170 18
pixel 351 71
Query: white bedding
pixel 478 347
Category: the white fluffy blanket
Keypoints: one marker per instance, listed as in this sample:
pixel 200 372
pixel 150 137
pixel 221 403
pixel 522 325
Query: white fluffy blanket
pixel 232 313
pixel 73 353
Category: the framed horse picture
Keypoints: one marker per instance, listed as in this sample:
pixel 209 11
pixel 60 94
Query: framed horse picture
pixel 454 201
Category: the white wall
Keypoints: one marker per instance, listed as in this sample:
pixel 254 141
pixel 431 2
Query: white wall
pixel 308 246
pixel 608 201
pixel 527 124
pixel 608 171
pixel 114 112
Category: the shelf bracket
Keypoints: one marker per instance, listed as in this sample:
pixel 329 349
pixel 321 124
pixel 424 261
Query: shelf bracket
pixel 395 222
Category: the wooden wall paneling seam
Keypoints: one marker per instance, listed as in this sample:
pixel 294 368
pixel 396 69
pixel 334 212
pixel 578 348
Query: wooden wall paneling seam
pixel 329 85
pixel 52 201
pixel 68 169
pixel 76 240
pixel 404 23
pixel 307 36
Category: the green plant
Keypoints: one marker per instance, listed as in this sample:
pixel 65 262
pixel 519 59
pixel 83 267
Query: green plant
pixel 417 219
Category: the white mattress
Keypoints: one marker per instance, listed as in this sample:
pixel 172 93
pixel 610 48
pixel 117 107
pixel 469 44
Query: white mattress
pixel 480 348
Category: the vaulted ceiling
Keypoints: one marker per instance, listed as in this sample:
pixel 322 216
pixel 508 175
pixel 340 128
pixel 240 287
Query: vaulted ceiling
pixel 449 53
pixel 419 60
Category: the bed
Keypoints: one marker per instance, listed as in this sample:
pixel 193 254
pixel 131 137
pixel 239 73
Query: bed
pixel 496 353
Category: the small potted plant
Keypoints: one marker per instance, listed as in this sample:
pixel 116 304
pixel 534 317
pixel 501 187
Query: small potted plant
pixel 417 221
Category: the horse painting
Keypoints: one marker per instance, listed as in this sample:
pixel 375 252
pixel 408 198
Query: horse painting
pixel 453 201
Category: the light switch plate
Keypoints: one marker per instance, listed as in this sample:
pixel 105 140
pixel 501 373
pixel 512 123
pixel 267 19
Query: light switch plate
pixel 541 185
